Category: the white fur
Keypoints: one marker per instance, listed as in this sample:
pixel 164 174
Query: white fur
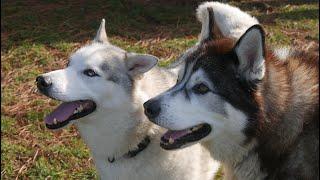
pixel 231 21
pixel 118 124
pixel 283 53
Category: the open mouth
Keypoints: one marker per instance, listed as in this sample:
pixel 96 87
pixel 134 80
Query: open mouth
pixel 175 139
pixel 68 111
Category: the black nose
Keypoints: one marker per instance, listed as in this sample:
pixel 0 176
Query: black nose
pixel 152 108
pixel 43 83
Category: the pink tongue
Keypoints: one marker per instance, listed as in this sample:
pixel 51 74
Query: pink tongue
pixel 175 134
pixel 62 112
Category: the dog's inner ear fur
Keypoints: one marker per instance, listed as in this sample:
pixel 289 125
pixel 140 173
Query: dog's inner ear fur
pixel 101 33
pixel 251 55
pixel 137 64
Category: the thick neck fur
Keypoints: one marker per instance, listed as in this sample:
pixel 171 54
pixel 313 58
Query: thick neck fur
pixel 239 161
pixel 288 102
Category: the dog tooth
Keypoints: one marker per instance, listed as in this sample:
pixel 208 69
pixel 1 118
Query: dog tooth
pixel 171 140
pixel 55 121
pixel 80 108
pixel 164 142
pixel 196 128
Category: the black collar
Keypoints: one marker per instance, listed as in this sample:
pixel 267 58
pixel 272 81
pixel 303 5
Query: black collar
pixel 132 153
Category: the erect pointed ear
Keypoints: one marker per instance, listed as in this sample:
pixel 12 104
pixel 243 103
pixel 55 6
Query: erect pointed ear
pixel 250 50
pixel 138 64
pixel 101 34
pixel 208 30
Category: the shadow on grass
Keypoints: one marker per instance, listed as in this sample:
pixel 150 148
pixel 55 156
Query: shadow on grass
pixel 52 21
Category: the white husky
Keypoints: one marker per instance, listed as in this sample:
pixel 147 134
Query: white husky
pixel 102 90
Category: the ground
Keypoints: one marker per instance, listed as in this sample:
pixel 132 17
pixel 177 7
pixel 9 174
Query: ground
pixel 37 36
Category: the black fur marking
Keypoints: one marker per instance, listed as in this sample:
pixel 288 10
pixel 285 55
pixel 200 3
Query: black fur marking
pixel 211 24
pixel 189 62
pixel 186 94
pixel 174 90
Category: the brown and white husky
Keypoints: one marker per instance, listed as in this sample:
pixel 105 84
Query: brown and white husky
pixel 256 110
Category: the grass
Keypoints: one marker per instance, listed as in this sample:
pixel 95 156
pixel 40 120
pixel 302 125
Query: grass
pixel 38 36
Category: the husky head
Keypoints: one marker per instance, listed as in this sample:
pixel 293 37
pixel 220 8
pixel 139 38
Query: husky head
pixel 212 98
pixel 98 76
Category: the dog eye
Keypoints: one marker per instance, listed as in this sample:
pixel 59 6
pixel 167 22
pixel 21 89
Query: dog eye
pixel 200 89
pixel 90 73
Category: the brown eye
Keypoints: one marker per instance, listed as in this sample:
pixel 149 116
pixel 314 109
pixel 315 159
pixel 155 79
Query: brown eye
pixel 90 73
pixel 200 89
